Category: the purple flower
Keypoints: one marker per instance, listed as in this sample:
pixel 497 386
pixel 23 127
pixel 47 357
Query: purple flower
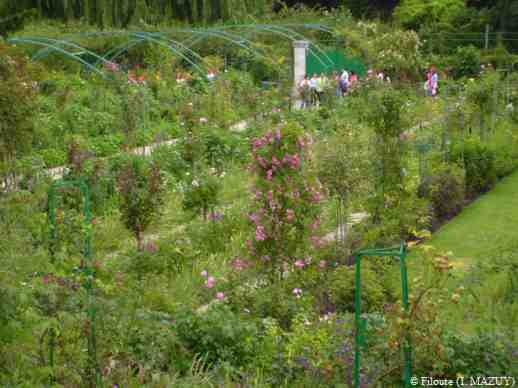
pixel 254 218
pixel 215 216
pixel 204 273
pixel 151 247
pixel 269 174
pixel 265 258
pixel 220 296
pixel 278 134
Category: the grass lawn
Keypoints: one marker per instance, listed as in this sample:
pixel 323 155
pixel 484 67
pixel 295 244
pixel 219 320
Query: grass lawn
pixel 487 225
pixel 485 230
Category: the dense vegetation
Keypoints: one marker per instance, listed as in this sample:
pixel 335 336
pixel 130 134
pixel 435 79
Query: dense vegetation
pixel 225 257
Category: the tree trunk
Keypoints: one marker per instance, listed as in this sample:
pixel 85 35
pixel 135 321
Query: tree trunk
pixel 140 241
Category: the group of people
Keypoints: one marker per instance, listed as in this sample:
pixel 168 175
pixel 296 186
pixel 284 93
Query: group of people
pixel 312 89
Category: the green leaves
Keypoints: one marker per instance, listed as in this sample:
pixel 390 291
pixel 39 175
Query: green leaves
pixel 140 187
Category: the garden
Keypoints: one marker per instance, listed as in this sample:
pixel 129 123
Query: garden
pixel 165 228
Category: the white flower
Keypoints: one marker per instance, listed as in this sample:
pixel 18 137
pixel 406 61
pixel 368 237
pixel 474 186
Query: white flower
pixel 195 183
pixel 222 175
pixel 203 120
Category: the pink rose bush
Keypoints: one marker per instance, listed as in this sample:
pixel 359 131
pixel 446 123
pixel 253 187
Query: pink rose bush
pixel 285 217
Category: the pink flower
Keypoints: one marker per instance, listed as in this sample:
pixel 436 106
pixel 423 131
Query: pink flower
pixel 317 242
pixel 301 142
pixel 300 263
pixel 316 196
pixel 278 134
pixel 294 162
pixel 269 174
pixel 286 159
pixel 257 143
pixel 322 264
pixel 259 233
pixel 261 161
pixel 275 161
pixel 220 296
pixel 112 66
pixel 269 195
pixel 204 274
pixel 238 264
pixel 290 215
pixel 210 282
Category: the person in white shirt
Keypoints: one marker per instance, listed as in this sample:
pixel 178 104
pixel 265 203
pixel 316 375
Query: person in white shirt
pixel 345 76
pixel 313 88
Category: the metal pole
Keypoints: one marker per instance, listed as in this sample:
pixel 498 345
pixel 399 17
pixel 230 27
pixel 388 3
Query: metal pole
pixel 407 347
pixel 357 314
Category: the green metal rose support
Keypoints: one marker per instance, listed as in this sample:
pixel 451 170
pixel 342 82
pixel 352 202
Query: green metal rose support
pixel 361 323
pixel 86 269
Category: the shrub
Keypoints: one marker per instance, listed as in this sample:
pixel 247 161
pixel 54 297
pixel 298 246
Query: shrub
pixel 479 163
pixel 465 62
pixel 217 334
pixel 342 288
pixel 286 210
pixel 446 191
pixel 478 355
pixel 141 188
pixel 201 193
pixel 17 109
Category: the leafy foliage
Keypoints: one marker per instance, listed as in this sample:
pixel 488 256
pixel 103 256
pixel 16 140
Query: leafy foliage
pixel 141 187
